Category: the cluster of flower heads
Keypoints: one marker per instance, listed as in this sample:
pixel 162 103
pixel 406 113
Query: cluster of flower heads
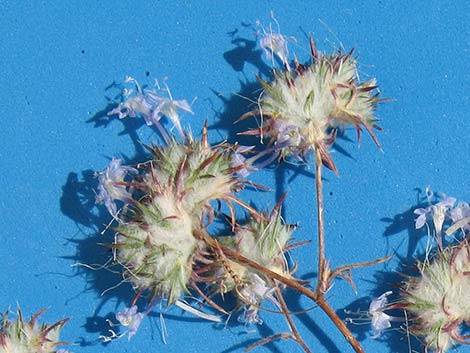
pixel 173 193
pixel 161 206
pixel 20 336
pixel 437 299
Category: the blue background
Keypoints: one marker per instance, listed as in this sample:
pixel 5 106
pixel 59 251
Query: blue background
pixel 60 64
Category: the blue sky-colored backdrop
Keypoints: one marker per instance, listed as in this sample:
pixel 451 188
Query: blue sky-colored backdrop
pixel 61 66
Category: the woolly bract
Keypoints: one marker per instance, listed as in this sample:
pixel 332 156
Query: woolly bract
pixel 439 298
pixel 197 172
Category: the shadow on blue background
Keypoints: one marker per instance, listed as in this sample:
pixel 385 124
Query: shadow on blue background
pixel 57 58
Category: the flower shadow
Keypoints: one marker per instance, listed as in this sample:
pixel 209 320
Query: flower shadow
pixel 244 52
pixel 405 221
pixel 293 298
pixel 92 258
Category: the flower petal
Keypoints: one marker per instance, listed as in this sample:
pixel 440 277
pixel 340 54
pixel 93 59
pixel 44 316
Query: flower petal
pixel 420 221
pixel 380 322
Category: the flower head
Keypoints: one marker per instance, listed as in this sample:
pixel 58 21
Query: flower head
pixel 110 185
pixel 437 298
pixel 262 240
pixel 303 109
pixel 22 336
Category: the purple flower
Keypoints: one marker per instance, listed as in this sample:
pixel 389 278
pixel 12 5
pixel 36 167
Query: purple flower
pixel 152 107
pixel 254 294
pixel 108 187
pixel 239 160
pixel 250 316
pixel 287 135
pixel 257 290
pixel 380 320
pixel 274 44
pixel 440 212
pixel 437 213
pixel 169 107
pixel 422 216
pixel 131 319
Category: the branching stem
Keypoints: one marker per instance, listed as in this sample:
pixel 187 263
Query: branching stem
pixel 291 282
pixel 290 322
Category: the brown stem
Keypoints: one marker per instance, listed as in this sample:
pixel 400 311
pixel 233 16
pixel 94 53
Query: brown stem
pixel 236 256
pixel 290 322
pixel 266 340
pixel 318 299
pixel 343 268
pixel 322 284
pixel 323 270
pixel 321 302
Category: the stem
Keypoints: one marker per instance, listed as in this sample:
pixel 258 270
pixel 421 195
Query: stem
pixel 266 340
pixel 318 299
pixel 236 256
pixel 290 322
pixel 321 302
pixel 322 282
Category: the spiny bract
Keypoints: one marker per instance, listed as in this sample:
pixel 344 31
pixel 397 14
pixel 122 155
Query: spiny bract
pixel 302 109
pixel 22 336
